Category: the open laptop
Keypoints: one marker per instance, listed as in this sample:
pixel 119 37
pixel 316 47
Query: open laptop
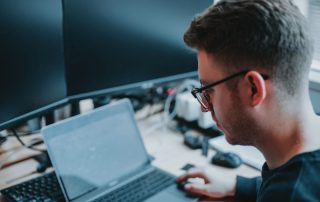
pixel 100 156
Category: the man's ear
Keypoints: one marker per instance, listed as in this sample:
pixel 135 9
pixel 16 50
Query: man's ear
pixel 256 88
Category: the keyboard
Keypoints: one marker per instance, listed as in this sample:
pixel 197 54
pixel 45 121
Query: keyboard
pixel 44 188
pixel 140 189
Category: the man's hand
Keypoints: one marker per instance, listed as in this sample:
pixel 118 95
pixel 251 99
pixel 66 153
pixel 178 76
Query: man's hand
pixel 215 185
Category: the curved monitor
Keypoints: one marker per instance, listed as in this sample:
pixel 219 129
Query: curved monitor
pixel 31 59
pixel 314 89
pixel 116 45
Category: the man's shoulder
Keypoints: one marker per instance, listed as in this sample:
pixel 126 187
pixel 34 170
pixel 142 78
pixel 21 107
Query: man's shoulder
pixel 307 162
pixel 297 180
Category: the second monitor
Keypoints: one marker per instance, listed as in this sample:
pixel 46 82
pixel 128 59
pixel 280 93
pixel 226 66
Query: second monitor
pixel 116 45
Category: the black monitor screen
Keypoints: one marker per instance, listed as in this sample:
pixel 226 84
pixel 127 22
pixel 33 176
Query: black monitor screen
pixel 123 43
pixel 32 78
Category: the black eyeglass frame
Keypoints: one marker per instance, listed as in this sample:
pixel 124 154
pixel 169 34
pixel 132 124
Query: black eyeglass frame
pixel 195 91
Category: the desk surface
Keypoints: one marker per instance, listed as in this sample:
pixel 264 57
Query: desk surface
pixel 162 143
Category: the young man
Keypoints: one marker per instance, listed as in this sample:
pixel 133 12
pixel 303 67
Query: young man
pixel 253 62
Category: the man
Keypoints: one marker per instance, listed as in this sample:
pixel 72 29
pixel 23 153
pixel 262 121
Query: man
pixel 253 62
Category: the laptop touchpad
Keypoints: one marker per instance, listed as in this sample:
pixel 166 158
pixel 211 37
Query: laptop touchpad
pixel 171 194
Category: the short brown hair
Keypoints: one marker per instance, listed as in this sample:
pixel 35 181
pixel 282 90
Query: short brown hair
pixel 270 34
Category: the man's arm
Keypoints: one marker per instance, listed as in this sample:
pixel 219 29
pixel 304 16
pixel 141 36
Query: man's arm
pixel 247 188
pixel 216 185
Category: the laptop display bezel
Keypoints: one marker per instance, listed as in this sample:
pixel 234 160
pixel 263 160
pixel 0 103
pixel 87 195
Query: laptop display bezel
pixel 48 134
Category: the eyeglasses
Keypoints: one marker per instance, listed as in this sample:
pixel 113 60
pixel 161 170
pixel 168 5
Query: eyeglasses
pixel 204 98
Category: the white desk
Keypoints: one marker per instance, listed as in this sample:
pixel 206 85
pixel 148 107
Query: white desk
pixel 165 145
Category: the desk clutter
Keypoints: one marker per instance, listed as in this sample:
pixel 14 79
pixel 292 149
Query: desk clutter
pixel 37 188
pixel 101 173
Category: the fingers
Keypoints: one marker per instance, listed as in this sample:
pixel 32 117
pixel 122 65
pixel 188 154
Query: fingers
pixel 193 174
pixel 197 189
pixel 202 189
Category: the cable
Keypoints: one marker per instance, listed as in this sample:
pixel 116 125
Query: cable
pixel 27 146
pixel 24 134
pixel 17 136
pixel 4 161
pixel 33 142
pixel 187 85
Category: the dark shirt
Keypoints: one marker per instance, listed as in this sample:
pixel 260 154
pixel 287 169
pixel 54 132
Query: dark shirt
pixel 296 180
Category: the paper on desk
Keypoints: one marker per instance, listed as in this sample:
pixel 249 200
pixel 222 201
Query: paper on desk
pixel 249 154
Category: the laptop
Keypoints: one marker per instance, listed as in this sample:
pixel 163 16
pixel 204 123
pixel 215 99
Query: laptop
pixel 100 156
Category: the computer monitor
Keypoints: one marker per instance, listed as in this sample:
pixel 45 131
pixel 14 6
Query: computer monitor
pixel 32 78
pixel 116 45
pixel 314 89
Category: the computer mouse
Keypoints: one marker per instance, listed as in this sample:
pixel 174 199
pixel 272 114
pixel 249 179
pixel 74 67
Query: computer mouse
pixel 228 160
pixel 180 185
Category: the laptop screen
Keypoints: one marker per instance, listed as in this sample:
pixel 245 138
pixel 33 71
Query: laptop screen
pixel 93 150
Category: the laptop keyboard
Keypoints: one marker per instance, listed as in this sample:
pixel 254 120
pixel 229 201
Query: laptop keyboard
pixel 140 189
pixel 44 188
